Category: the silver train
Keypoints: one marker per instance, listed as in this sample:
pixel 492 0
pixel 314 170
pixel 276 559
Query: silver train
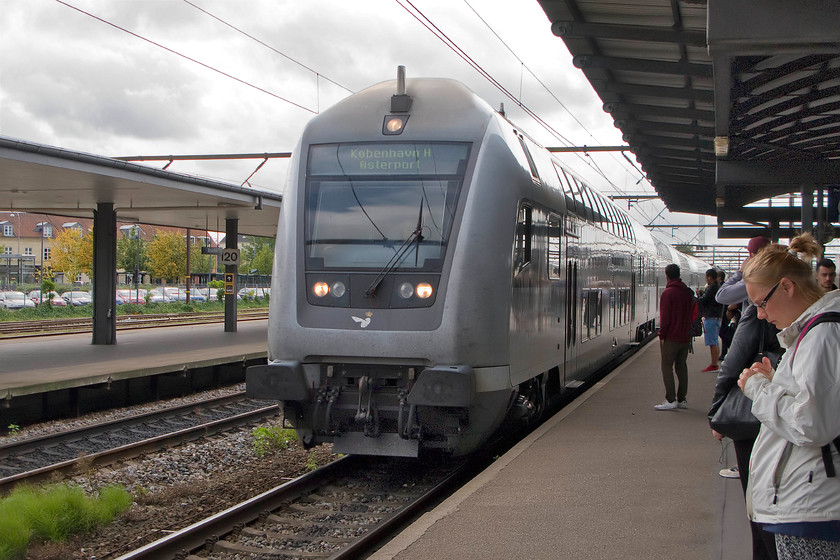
pixel 438 275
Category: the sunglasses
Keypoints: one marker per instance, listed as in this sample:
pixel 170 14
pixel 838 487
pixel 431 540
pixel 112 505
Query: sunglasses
pixel 763 304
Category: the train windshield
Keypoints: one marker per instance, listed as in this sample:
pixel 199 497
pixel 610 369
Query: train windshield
pixel 365 203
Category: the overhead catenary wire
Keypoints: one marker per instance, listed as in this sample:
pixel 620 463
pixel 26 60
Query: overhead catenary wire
pixel 207 66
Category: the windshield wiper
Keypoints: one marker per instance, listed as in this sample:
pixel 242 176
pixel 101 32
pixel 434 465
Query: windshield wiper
pixel 416 235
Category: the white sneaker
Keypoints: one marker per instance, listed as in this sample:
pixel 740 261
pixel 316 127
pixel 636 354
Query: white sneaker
pixel 682 404
pixel 730 473
pixel 665 405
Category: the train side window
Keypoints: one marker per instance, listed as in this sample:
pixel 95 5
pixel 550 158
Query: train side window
pixel 534 174
pixel 554 239
pixel 592 313
pixel 602 210
pixel 573 202
pixel 615 226
pixel 522 243
pixel 587 201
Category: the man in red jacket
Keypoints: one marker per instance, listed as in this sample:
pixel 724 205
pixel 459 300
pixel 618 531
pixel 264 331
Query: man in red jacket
pixel 677 310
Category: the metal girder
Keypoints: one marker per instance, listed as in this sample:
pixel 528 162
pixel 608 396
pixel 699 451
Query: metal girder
pixel 787 174
pixel 700 143
pixel 682 68
pixel 568 29
pixel 775 26
pixel 664 92
pixel 637 125
pixel 634 110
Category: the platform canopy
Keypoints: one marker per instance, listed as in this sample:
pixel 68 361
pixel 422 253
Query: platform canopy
pixel 724 102
pixel 45 179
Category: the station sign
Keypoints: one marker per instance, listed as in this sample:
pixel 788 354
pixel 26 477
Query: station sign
pixel 230 257
pixel 230 278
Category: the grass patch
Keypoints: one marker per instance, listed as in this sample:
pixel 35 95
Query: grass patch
pixel 272 438
pixel 54 513
pixel 45 312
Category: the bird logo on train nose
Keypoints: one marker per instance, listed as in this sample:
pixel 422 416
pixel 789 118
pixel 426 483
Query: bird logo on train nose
pixel 363 322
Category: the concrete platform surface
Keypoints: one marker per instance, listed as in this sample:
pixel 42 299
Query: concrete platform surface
pixel 609 477
pixel 31 365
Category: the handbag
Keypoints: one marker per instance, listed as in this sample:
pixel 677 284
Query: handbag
pixel 734 418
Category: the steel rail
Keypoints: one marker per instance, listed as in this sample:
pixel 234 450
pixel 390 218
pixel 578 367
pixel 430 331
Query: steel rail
pixel 132 450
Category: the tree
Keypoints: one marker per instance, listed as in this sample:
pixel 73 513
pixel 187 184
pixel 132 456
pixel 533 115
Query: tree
pixel 167 256
pixel 257 252
pixel 685 248
pixel 72 253
pixel 127 249
pixel 263 260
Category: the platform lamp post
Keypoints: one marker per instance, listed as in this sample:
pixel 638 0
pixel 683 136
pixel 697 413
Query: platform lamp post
pixel 135 234
pixel 40 229
pixel 17 231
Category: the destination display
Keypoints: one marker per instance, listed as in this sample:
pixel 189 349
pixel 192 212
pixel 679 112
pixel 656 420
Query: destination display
pixel 389 159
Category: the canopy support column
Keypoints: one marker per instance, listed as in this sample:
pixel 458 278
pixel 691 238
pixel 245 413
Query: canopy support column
pixel 231 242
pixel 104 274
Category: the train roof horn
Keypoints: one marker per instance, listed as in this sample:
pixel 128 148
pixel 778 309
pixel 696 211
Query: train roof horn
pixel 400 103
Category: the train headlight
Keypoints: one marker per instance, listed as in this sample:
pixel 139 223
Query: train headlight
pixel 321 289
pixel 424 290
pixel 394 124
pixel 338 289
pixel 406 290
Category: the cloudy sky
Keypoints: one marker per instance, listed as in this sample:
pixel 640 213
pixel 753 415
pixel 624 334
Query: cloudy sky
pixel 155 77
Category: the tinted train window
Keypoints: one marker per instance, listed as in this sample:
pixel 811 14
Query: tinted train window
pixel 363 201
pixel 554 241
pixel 534 175
pixel 591 314
pixel 522 243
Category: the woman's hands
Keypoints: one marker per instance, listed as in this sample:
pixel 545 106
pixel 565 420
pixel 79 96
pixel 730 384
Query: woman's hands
pixel 764 368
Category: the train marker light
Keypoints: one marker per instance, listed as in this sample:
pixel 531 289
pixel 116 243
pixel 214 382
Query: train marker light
pixel 338 289
pixel 320 289
pixel 424 290
pixel 406 290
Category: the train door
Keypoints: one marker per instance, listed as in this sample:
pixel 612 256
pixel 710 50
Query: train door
pixel 572 338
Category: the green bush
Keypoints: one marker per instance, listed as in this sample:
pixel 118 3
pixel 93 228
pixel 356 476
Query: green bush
pixel 54 513
pixel 272 438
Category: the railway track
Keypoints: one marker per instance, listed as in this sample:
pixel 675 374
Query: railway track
pixel 103 444
pixel 337 511
pixel 17 329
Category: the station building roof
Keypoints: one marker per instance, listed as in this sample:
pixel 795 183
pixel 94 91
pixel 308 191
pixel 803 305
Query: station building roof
pixel 756 80
pixel 46 179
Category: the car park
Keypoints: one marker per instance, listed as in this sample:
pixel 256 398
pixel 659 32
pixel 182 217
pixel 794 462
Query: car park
pixel 135 296
pixel 15 300
pixel 55 300
pixel 77 298
pixel 253 293
pixel 157 295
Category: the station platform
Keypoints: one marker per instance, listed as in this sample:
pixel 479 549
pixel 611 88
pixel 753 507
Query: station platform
pixel 609 477
pixel 51 363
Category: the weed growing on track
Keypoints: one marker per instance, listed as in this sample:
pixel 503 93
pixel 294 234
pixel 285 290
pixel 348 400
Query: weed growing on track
pixel 54 513
pixel 272 438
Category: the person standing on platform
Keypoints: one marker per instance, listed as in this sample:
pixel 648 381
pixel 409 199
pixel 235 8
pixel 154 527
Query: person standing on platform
pixel 676 312
pixel 742 353
pixel 711 311
pixel 791 489
pixel 826 273
pixel 733 290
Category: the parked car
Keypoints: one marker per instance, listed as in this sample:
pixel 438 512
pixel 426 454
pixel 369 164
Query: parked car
pixel 175 294
pixel 56 301
pixel 157 295
pixel 77 298
pixel 254 293
pixel 133 296
pixel 15 300
pixel 209 294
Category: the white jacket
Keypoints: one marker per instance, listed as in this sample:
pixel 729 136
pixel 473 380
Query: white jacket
pixel 801 406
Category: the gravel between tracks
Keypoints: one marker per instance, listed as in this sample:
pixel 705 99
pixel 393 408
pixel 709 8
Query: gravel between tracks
pixel 175 488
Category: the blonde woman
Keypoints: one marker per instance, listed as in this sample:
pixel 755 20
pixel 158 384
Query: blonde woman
pixel 790 491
